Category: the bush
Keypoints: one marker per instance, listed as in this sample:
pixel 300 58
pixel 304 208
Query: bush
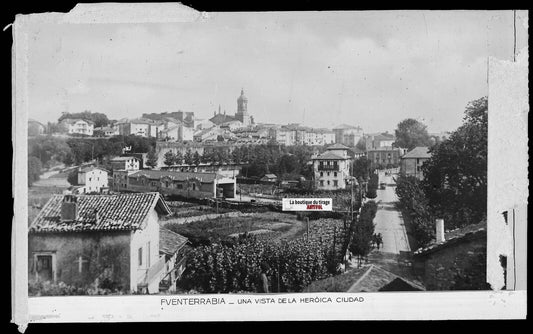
pixel 224 268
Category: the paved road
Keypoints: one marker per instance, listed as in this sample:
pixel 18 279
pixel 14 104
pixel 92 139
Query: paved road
pixel 388 220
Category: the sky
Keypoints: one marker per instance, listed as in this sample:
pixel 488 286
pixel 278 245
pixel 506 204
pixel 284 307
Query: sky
pixel 319 69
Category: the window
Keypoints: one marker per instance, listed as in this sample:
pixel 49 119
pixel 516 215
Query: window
pixel 335 183
pixel 328 182
pixel 335 174
pixel 328 173
pixel 505 217
pixel 321 183
pixel 140 254
pixel 194 186
pixel 321 174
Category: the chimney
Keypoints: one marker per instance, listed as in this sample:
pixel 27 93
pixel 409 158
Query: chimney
pixel 69 208
pixel 96 216
pixel 439 236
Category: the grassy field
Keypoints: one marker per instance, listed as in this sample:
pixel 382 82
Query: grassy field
pixel 271 225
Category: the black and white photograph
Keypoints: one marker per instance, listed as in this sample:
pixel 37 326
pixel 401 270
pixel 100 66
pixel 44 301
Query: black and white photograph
pixel 160 155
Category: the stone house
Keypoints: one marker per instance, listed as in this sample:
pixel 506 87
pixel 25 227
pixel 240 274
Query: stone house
pixel 332 168
pixel 92 179
pixel 412 161
pixel 456 260
pixel 186 184
pixel 385 157
pixel 125 163
pixel 348 135
pixel 78 126
pixel 99 240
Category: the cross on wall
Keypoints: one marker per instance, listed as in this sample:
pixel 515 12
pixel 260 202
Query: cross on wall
pixel 80 262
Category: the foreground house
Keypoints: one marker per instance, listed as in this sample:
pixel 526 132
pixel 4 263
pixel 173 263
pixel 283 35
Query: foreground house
pixel 456 260
pixel 100 240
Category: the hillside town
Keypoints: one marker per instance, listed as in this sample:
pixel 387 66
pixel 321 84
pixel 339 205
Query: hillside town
pixel 139 205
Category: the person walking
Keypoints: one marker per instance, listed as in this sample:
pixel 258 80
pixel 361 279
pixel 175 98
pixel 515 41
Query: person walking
pixel 379 240
pixel 265 268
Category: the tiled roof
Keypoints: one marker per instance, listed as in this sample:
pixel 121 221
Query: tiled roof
pixel 270 175
pixel 91 168
pixel 74 120
pixel 180 176
pixel 115 212
pixel 170 242
pixel 329 155
pixel 221 118
pixel 466 233
pixel 418 152
pixel 123 158
pixel 337 147
pixel 357 150
pixel 368 278
pixel 374 278
pixel 383 136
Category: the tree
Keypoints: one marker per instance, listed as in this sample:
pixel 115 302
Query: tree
pixel 34 169
pixel 151 158
pixel 197 159
pixel 455 177
pixel 415 205
pixel 288 163
pixel 178 158
pixel 361 240
pixel 411 133
pixel 361 168
pixel 169 158
pixel 72 177
pixel 188 157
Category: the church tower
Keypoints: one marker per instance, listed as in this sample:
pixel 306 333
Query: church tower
pixel 242 110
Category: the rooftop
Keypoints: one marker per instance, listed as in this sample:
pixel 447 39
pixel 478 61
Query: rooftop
pixel 91 168
pixel 170 242
pixel 368 278
pixel 329 156
pixel 337 147
pixel 115 213
pixel 179 176
pixel 418 152
pixel 123 158
pixel 466 233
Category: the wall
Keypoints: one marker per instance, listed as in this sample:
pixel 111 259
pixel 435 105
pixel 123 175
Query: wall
pixel 507 173
pixel 140 239
pixel 100 249
pixel 342 174
pixel 466 259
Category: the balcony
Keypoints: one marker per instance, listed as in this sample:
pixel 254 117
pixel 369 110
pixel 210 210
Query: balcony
pixel 328 168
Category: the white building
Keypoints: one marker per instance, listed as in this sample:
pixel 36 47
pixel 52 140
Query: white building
pixel 142 127
pixel 92 180
pixel 78 126
pixel 332 168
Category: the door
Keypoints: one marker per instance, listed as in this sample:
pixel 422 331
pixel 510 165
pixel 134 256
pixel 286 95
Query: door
pixel 44 268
